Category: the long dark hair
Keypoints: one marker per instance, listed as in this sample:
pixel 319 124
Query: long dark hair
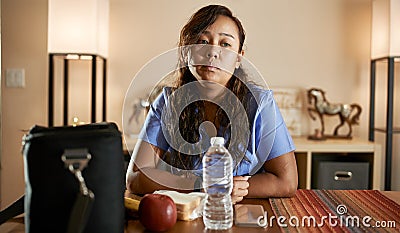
pixel 194 114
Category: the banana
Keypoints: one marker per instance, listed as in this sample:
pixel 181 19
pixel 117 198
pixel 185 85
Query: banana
pixel 131 204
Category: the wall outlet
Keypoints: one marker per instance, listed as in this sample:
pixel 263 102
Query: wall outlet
pixel 15 78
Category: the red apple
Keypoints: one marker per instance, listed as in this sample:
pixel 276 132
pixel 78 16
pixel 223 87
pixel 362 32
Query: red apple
pixel 157 212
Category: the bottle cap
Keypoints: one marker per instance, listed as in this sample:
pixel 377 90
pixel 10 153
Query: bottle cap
pixel 217 141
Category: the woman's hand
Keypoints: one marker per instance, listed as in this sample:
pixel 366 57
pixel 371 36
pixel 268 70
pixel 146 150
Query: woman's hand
pixel 279 179
pixel 240 188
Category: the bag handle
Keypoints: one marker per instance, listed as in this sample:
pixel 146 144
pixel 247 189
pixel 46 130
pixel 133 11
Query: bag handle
pixel 14 209
pixel 76 160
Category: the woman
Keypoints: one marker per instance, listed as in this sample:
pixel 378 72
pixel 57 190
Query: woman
pixel 211 44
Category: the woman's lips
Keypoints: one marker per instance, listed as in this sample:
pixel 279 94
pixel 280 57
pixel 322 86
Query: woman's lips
pixel 209 68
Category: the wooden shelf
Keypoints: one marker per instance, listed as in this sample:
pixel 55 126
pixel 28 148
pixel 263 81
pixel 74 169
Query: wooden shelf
pixel 383 130
pixel 305 149
pixel 337 145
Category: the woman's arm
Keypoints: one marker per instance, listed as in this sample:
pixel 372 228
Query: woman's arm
pixel 279 179
pixel 143 177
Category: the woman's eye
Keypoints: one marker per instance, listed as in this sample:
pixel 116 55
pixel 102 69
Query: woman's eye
pixel 202 42
pixel 225 44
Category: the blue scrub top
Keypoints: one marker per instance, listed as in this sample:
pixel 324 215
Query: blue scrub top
pixel 269 136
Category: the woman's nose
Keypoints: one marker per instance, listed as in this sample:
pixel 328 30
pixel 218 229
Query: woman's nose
pixel 213 52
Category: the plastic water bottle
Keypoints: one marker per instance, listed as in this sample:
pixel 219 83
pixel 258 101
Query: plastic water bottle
pixel 217 183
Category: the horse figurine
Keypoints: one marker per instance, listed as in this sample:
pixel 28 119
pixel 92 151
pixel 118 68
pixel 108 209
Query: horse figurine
pixel 348 113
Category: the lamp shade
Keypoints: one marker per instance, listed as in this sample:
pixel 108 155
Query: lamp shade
pixel 76 26
pixel 385 38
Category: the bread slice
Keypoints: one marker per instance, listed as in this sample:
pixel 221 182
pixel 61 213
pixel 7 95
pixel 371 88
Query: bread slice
pixel 185 203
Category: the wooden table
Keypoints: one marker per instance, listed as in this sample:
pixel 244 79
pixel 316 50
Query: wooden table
pixel 16 225
pixel 197 225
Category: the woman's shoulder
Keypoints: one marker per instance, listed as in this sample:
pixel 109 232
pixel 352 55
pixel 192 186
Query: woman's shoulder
pixel 260 93
pixel 161 98
pixel 163 93
pixel 167 90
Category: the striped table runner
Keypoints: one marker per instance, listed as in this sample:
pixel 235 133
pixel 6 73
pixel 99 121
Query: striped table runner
pixel 336 211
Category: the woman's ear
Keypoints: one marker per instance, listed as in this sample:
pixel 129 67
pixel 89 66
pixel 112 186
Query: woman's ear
pixel 239 59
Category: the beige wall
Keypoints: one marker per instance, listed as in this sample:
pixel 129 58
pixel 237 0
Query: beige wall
pixel 1 149
pixel 24 45
pixel 303 44
pixel 308 43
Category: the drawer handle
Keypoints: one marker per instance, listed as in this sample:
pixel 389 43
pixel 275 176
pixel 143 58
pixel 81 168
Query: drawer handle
pixel 343 175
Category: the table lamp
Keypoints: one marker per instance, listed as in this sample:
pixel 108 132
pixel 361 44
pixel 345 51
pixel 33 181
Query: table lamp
pixel 78 50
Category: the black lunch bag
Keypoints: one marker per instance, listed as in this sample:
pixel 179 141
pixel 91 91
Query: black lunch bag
pixel 75 179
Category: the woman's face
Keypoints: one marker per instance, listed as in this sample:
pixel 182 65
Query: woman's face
pixel 215 56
